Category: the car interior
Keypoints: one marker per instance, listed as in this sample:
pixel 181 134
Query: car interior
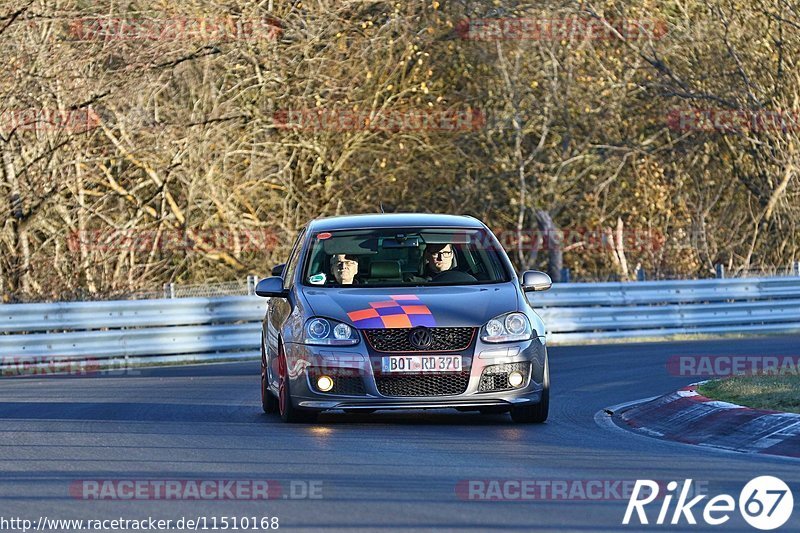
pixel 393 260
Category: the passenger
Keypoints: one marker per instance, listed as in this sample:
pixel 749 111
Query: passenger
pixel 345 269
pixel 438 258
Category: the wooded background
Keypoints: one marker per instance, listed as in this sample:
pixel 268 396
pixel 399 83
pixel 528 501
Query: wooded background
pixel 144 142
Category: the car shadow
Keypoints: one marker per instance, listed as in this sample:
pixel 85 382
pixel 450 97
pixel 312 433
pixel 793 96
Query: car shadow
pixel 230 414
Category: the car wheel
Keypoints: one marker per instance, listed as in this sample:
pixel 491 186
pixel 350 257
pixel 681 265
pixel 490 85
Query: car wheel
pixel 535 414
pixel 269 403
pixel 289 413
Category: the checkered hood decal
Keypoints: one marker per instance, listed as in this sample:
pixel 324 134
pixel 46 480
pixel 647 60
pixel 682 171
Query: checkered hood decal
pixel 401 311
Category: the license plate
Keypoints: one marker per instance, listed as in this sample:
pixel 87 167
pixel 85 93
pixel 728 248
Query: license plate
pixel 421 363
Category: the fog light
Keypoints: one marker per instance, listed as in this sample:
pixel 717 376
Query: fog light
pixel 325 383
pixel 515 378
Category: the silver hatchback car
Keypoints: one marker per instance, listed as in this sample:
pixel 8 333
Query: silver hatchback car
pixel 402 311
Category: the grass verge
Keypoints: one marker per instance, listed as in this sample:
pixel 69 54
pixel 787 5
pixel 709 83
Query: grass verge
pixel 776 393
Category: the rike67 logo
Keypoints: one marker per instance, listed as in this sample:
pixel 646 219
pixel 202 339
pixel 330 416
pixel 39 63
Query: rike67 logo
pixel 765 503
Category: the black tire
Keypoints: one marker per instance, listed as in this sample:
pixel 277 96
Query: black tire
pixel 269 403
pixel 288 412
pixel 537 413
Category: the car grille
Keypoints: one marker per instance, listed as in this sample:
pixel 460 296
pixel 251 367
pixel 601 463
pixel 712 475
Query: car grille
pixel 396 339
pixel 423 385
pixel 346 381
pixel 495 377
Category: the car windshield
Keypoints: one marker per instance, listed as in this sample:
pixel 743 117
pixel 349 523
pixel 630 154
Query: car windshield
pixel 404 257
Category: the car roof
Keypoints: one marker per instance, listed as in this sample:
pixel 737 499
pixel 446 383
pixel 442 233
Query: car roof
pixel 394 220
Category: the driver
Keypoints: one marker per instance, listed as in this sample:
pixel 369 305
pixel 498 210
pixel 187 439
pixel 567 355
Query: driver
pixel 438 258
pixel 345 269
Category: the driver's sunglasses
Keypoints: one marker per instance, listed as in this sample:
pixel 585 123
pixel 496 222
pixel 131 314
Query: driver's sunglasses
pixel 440 255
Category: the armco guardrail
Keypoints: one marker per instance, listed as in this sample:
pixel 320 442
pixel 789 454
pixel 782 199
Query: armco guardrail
pixel 197 329
pixel 578 312
pixel 189 329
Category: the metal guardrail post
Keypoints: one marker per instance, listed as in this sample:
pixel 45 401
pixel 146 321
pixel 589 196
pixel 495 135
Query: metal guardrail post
pixel 169 290
pixel 641 275
pixel 564 275
pixel 720 271
pixel 251 284
pixel 796 268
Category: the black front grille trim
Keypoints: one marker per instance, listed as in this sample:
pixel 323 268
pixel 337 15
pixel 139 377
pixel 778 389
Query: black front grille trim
pixel 395 340
pixel 411 385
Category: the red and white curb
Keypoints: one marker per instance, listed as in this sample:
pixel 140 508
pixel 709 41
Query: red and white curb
pixel 688 417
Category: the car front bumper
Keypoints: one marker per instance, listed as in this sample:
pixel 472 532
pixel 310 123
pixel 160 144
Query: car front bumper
pixel 358 365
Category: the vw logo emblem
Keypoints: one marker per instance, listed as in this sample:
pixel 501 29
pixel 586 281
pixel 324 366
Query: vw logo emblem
pixel 420 337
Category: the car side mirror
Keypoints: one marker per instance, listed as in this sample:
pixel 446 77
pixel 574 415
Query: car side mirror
pixel 271 287
pixel 534 280
pixel 277 270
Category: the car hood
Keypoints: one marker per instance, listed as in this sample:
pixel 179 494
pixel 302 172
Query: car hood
pixel 398 307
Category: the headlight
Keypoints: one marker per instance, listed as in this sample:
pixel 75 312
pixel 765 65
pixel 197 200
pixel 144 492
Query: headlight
pixel 494 328
pixel 516 323
pixel 342 331
pixel 318 328
pixel 324 331
pixel 507 328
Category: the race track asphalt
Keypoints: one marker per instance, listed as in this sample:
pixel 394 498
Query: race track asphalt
pixel 373 472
